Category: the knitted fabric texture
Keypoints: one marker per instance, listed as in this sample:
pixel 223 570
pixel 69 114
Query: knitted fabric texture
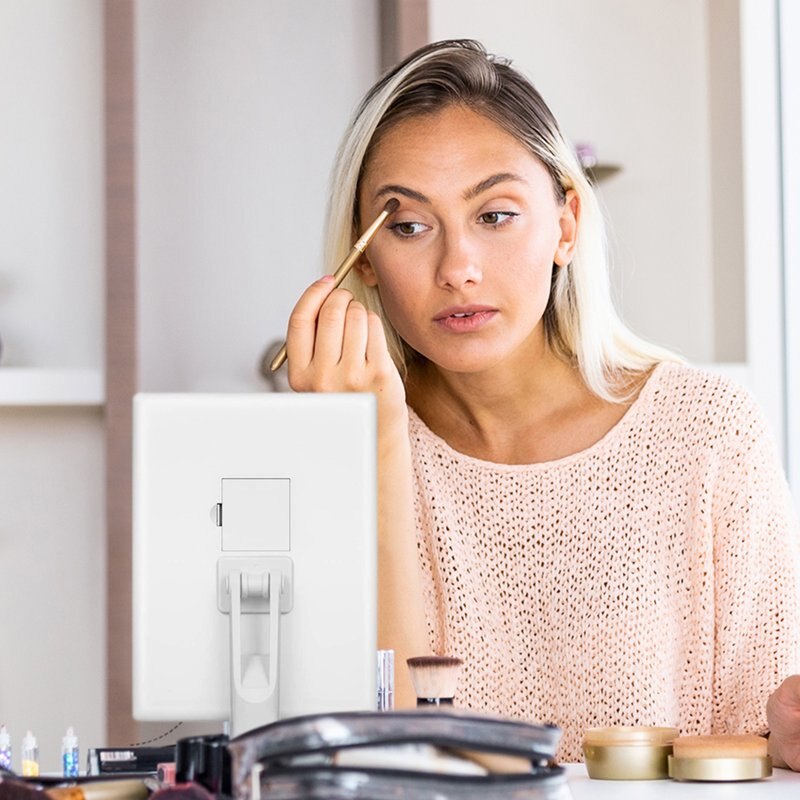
pixel 652 579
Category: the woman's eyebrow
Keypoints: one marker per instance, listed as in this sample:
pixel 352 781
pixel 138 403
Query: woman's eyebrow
pixel 469 194
pixel 392 188
pixel 492 180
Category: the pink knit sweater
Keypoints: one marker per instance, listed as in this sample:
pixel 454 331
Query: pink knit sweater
pixel 652 579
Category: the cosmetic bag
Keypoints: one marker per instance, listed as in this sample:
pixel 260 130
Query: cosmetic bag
pixel 397 755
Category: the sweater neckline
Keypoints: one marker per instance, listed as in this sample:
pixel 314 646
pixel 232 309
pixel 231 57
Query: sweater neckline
pixel 616 432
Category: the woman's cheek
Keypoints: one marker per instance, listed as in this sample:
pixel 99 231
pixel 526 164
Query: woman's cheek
pixel 400 304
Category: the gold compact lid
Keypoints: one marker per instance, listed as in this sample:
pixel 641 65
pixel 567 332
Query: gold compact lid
pixel 719 769
pixel 622 735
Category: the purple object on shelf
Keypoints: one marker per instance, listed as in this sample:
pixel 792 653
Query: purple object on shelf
pixel 586 153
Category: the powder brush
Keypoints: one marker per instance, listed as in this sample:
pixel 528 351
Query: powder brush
pixel 434 679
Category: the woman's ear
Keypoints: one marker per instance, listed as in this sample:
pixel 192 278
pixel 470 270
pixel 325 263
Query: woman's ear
pixel 366 272
pixel 568 223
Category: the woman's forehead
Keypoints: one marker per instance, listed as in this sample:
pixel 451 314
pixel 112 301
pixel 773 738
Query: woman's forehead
pixel 453 139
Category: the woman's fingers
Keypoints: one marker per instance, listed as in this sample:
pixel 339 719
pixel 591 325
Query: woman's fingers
pixel 330 329
pixel 356 339
pixel 333 343
pixel 302 329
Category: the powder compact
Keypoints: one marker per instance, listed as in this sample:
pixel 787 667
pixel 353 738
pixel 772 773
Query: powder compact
pixel 728 757
pixel 628 753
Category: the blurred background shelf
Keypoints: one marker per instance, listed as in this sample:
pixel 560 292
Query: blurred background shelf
pixel 599 172
pixel 33 386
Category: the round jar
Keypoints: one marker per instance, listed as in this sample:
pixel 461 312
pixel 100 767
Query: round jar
pixel 728 757
pixel 628 753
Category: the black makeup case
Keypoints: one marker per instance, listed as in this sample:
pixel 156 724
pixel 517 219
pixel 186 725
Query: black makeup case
pixel 397 755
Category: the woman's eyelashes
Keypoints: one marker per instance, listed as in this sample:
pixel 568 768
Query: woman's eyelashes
pixel 408 229
pixel 497 219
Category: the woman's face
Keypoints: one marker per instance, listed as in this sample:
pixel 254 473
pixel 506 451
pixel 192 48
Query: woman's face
pixel 465 266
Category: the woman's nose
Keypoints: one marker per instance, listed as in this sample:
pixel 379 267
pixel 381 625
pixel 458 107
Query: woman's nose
pixel 458 263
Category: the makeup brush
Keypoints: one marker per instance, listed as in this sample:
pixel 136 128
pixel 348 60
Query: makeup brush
pixel 341 271
pixel 434 679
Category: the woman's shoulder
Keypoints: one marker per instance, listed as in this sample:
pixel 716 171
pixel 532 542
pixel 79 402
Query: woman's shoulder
pixel 681 382
pixel 703 397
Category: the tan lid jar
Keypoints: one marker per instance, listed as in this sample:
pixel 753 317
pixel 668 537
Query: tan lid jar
pixel 726 757
pixel 628 753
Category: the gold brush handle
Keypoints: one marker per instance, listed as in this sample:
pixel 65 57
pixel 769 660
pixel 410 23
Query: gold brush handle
pixel 341 271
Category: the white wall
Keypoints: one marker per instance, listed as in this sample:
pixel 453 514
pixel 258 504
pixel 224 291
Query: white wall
pixel 761 182
pixel 51 192
pixel 725 157
pixel 241 106
pixel 52 542
pixel 52 578
pixel 790 85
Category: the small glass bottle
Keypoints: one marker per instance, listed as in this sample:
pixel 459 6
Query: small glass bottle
pixel 5 748
pixel 30 755
pixel 69 754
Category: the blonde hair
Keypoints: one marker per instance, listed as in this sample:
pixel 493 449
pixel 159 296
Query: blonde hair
pixel 581 324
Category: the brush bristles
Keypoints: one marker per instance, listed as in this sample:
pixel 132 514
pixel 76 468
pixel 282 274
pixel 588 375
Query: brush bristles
pixel 434 677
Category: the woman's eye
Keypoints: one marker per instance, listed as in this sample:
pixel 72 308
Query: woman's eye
pixel 407 229
pixel 496 218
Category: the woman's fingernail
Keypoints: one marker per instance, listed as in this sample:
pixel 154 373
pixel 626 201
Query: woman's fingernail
pixel 326 279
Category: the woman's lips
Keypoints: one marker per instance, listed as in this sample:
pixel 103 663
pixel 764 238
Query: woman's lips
pixel 464 319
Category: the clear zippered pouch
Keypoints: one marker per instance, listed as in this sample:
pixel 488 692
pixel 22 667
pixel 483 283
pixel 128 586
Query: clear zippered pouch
pixel 372 784
pixel 397 755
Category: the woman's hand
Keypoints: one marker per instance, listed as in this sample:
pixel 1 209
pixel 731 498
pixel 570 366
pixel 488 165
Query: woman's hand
pixel 783 718
pixel 335 345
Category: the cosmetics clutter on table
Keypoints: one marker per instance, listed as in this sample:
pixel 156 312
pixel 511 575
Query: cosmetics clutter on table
pixel 112 773
pixel 29 754
pixel 441 751
pixel 435 751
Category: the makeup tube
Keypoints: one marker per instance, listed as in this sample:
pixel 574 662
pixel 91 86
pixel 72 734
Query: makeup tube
pixel 385 683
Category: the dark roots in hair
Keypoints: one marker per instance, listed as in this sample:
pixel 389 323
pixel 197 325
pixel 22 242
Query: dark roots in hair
pixel 461 72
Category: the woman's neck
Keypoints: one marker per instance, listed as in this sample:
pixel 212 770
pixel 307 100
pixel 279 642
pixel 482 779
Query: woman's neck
pixel 509 416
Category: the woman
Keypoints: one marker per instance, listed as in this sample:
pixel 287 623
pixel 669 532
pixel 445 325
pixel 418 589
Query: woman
pixel 602 533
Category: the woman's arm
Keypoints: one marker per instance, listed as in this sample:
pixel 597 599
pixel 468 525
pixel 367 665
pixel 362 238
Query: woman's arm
pixel 757 587
pixel 335 345
pixel 401 609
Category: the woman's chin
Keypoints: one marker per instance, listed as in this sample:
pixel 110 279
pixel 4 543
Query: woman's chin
pixel 465 363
